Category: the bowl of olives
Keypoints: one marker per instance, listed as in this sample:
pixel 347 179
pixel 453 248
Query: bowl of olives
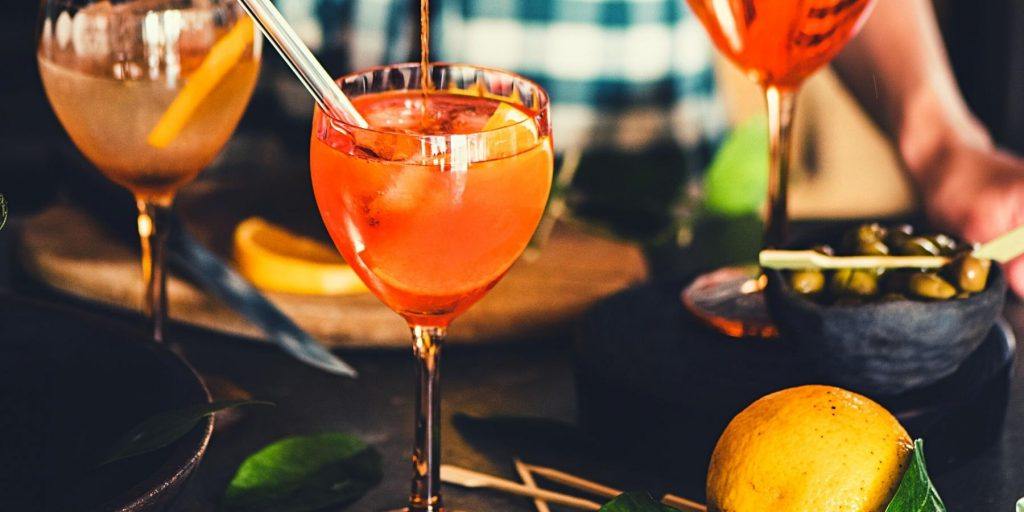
pixel 887 331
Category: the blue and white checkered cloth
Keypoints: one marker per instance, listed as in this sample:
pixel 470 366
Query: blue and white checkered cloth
pixel 624 75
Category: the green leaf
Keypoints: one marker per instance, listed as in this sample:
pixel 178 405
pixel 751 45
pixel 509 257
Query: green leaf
pixel 305 473
pixel 737 179
pixel 635 502
pixel 916 492
pixel 165 428
pixel 1020 505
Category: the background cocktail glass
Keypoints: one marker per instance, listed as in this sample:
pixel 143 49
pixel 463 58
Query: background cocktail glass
pixel 432 204
pixel 777 44
pixel 149 91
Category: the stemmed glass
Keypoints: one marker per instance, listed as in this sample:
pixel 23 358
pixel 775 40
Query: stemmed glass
pixel 150 91
pixel 777 44
pixel 432 204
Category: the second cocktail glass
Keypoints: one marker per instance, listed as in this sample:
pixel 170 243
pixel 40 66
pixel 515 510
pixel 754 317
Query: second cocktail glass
pixel 777 44
pixel 149 91
pixel 432 204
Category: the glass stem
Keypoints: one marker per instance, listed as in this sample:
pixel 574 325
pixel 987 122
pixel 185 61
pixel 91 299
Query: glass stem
pixel 153 222
pixel 426 455
pixel 781 111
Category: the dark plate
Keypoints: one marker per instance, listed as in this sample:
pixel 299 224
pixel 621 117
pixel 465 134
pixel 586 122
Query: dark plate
pixel 643 363
pixel 72 384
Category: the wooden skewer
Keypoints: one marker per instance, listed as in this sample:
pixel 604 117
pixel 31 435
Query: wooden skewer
pixel 472 479
pixel 527 478
pixel 585 485
pixel 574 481
pixel 682 503
pixel 796 260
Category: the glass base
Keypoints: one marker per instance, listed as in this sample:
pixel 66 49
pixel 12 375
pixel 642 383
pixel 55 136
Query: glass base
pixel 731 301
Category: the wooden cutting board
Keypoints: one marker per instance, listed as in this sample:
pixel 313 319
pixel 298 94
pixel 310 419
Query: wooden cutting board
pixel 70 251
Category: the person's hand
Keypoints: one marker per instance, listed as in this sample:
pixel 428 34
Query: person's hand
pixel 977 192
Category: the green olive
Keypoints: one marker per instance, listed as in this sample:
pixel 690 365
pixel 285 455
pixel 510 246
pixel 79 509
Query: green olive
pixel 854 282
pixel 972 273
pixel 918 246
pixel 875 248
pixel 807 282
pixel 896 239
pixel 931 286
pixel 947 245
pixel 867 240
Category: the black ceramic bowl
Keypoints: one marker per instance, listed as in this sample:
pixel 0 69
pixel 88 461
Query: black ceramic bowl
pixel 72 384
pixel 886 348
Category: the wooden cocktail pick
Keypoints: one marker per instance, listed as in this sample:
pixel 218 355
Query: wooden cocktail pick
pixel 1002 249
pixel 524 474
pixel 597 489
pixel 472 479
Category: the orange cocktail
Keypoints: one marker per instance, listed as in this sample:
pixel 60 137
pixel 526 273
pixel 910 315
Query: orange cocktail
pixel 427 233
pixel 432 203
pixel 780 43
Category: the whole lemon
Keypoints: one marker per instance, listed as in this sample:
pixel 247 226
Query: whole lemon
pixel 808 449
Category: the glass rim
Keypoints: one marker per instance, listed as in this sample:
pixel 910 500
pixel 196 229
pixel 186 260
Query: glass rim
pixel 538 118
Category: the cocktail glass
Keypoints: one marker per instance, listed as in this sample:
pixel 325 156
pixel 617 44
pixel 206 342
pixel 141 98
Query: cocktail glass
pixel 777 44
pixel 432 204
pixel 149 91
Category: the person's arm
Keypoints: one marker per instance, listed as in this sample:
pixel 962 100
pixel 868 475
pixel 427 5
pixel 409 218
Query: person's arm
pixel 899 71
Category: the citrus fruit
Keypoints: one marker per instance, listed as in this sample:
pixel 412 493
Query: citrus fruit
pixel 277 260
pixel 520 131
pixel 223 56
pixel 809 448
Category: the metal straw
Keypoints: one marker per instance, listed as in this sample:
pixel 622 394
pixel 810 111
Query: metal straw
pixel 305 66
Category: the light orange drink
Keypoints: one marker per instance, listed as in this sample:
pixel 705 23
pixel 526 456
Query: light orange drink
pixel 433 203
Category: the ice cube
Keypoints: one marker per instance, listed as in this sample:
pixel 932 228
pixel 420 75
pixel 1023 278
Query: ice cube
pixel 394 147
pixel 409 188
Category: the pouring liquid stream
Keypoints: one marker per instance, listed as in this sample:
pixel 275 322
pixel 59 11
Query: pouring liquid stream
pixel 426 84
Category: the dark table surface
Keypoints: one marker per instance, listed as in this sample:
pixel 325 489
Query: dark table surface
pixel 528 384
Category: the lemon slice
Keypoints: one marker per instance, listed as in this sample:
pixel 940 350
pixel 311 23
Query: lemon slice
pixel 507 115
pixel 223 56
pixel 522 136
pixel 277 260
